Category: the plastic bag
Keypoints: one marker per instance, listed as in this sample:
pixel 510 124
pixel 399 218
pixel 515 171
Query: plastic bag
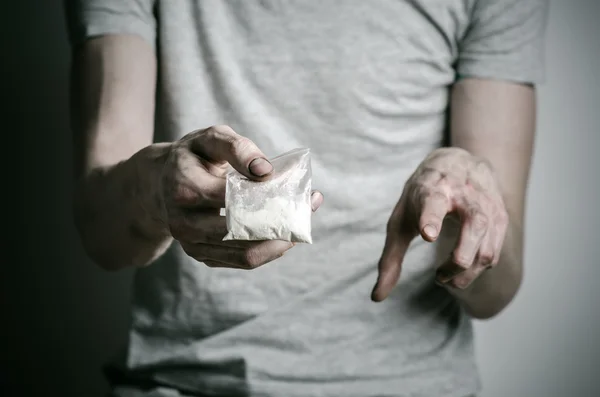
pixel 276 209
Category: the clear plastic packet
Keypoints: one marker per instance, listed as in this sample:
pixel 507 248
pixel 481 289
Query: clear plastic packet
pixel 276 209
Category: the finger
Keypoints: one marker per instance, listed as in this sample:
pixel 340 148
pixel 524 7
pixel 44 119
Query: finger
pixel 390 264
pixel 255 254
pixel 487 250
pixel 466 278
pixel 210 263
pixel 435 205
pixel 200 226
pixel 203 227
pixel 448 271
pixel 461 278
pixel 316 200
pixel 473 229
pixel 221 143
pixel 249 258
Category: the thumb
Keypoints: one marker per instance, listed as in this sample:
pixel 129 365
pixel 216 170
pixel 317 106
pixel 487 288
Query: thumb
pixel 221 143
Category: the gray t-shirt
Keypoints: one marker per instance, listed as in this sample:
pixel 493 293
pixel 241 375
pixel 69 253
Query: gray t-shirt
pixel 365 85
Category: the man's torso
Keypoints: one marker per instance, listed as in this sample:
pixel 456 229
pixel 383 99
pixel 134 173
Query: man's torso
pixel 365 85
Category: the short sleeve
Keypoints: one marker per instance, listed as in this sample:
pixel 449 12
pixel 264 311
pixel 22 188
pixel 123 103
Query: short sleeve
pixel 505 40
pixel 91 18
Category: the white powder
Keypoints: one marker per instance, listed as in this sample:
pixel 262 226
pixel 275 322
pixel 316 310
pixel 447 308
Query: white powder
pixel 277 218
pixel 275 209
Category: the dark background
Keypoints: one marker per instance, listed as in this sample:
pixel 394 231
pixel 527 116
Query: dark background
pixel 62 318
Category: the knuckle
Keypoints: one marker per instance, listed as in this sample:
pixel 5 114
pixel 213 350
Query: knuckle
pixel 215 131
pixel 238 145
pixel 483 165
pixel 461 260
pixel 184 141
pixel 479 220
pixel 234 142
pixel 438 195
pixel 503 217
pixel 486 257
pixel 434 200
pixel 430 219
pixel 208 133
pixel 221 128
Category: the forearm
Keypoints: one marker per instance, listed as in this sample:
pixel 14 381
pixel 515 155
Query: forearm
pixel 117 211
pixel 491 292
pixel 117 194
pixel 495 120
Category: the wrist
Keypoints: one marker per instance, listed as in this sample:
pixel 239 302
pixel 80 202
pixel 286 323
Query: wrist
pixel 146 167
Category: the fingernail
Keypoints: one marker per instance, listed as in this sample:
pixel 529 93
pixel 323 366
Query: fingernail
pixel 316 199
pixel 260 167
pixel 430 231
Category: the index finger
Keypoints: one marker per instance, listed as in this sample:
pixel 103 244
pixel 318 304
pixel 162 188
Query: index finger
pixel 221 143
pixel 390 264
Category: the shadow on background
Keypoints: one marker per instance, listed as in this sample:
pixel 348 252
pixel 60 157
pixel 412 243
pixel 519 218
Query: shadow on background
pixel 62 317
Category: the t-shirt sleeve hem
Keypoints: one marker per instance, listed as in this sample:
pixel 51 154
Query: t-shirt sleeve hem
pixel 95 24
pixel 493 71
